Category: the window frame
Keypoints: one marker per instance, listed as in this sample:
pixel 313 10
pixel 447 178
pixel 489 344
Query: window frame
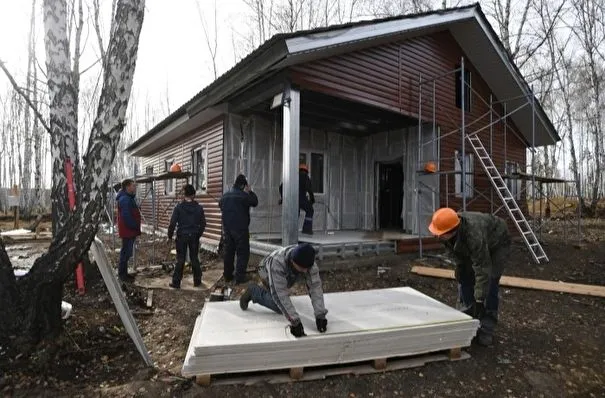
pixel 469 175
pixel 308 156
pixel 172 181
pixel 203 148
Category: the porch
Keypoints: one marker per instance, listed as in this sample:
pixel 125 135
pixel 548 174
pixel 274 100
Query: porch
pixel 363 163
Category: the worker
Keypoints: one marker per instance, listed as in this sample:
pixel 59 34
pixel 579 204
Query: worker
pixel 189 220
pixel 235 207
pixel 480 245
pixel 304 203
pixel 129 226
pixel 278 272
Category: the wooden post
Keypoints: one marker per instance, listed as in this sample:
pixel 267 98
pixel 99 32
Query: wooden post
pixel 296 373
pixel 380 364
pixel 16 212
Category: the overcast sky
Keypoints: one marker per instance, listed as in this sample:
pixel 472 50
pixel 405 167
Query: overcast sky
pixel 173 55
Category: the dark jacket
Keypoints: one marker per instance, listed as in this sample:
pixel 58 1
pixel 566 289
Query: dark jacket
pixel 304 188
pixel 188 217
pixel 129 216
pixel 277 273
pixel 481 243
pixel 235 208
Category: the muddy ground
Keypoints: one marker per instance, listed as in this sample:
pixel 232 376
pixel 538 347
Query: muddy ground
pixel 548 344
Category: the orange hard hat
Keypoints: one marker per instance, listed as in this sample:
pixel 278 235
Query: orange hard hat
pixel 430 167
pixel 303 167
pixel 444 220
pixel 175 168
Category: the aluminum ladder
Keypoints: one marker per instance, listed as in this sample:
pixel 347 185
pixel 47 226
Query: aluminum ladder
pixel 508 200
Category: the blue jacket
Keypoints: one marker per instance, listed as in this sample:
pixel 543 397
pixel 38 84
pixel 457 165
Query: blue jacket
pixel 188 217
pixel 129 216
pixel 235 207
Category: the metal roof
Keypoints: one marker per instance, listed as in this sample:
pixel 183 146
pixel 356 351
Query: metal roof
pixel 468 25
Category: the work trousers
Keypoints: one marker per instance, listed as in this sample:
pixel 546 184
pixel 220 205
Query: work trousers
pixel 236 242
pixel 260 295
pixel 125 254
pixel 306 205
pixel 184 242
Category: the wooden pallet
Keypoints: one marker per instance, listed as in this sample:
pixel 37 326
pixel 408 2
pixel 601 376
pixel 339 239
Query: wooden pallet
pixel 321 372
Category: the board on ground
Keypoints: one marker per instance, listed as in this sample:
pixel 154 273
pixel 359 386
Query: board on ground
pixel 363 325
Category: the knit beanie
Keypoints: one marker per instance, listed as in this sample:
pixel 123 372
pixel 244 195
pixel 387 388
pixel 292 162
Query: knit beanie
pixel 240 181
pixel 304 255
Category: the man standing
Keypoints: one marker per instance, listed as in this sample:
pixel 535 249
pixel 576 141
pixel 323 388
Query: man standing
pixel 480 245
pixel 235 208
pixel 279 272
pixel 189 220
pixel 129 226
pixel 304 203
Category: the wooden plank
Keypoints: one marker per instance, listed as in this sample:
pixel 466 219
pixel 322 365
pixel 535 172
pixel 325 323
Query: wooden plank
pixel 357 369
pixel 203 380
pixel 149 298
pixel 455 354
pixel 525 283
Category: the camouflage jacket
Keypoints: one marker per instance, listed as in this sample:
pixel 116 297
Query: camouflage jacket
pixel 481 242
pixel 278 274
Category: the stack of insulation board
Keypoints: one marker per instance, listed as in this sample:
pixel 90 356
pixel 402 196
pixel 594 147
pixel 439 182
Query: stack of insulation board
pixel 362 325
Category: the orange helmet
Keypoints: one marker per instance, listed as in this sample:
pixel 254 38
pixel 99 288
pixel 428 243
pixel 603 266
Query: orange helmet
pixel 175 168
pixel 303 167
pixel 430 167
pixel 444 221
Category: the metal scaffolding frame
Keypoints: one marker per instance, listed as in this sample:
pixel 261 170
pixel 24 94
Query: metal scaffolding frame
pixel 533 189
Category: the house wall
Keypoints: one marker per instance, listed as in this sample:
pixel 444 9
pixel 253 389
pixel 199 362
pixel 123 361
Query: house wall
pixel 181 152
pixel 349 200
pixel 387 76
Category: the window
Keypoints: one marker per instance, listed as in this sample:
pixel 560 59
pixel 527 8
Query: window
pixel 316 163
pixel 200 168
pixel 467 89
pixel 149 172
pixel 169 185
pixel 468 187
pixel 515 185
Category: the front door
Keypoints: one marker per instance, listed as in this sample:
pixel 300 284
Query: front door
pixel 390 195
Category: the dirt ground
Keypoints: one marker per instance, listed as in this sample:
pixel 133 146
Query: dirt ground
pixel 547 344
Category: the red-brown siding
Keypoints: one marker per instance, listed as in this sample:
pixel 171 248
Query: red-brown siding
pixel 181 152
pixel 387 76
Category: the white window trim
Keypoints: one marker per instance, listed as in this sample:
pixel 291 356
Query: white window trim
pixel 308 152
pixel 469 174
pixel 173 191
pixel 203 147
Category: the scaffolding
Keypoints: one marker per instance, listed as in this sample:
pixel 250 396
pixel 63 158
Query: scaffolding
pixel 533 186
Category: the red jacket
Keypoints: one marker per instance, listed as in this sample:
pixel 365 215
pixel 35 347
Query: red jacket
pixel 129 216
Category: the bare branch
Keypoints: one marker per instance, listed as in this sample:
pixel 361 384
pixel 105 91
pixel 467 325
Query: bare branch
pixel 11 79
pixel 98 29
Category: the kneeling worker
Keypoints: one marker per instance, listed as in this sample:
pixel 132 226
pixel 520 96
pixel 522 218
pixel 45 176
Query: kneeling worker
pixel 480 246
pixel 279 271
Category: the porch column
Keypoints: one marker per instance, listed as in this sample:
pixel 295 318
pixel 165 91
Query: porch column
pixel 291 149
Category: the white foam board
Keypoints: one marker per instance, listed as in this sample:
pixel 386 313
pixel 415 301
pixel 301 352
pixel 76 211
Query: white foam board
pixel 362 325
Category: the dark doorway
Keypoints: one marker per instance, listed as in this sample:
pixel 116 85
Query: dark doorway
pixel 390 195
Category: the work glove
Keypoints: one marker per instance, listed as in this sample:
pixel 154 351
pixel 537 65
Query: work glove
pixel 297 329
pixel 322 324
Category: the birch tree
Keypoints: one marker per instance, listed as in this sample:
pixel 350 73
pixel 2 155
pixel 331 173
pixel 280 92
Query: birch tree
pixel 30 307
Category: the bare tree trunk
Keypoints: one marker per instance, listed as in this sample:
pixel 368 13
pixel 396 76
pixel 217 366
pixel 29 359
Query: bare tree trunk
pixel 26 178
pixel 30 308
